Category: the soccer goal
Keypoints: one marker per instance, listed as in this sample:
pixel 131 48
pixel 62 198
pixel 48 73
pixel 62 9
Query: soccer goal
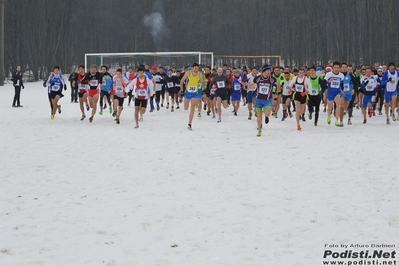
pixel 249 61
pixel 124 60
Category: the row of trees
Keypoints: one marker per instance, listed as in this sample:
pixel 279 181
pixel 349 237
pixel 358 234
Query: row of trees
pixel 39 34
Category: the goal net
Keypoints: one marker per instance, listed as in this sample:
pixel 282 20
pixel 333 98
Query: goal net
pixel 249 61
pixel 125 60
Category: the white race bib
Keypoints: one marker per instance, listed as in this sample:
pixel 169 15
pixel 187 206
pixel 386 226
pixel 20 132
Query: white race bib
pixel 213 91
pixel 170 84
pixel 192 89
pixel 237 87
pixel 335 84
pixel 142 92
pixel 264 89
pixel 298 88
pixel 314 92
pixel 220 84
pixel 55 87
pixel 346 87
pixel 118 88
pixel 94 83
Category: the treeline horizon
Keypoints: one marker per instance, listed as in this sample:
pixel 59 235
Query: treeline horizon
pixel 41 34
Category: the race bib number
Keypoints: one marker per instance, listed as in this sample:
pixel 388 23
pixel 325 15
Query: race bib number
pixel 141 92
pixel 118 88
pixel 220 84
pixel 369 88
pixel 264 89
pixel 82 86
pixel 94 83
pixel 393 81
pixel 170 84
pixel 237 87
pixel 314 92
pixel 192 89
pixel 346 87
pixel 299 88
pixel 335 84
pixel 213 91
pixel 55 87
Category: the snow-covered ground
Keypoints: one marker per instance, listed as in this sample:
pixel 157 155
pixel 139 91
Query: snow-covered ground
pixel 75 193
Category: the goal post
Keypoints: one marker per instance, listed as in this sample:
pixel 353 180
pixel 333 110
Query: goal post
pixel 250 61
pixel 125 60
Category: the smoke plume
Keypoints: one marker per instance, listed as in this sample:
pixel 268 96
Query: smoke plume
pixel 156 23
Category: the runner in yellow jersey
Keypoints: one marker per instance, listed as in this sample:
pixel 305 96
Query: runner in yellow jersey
pixel 194 81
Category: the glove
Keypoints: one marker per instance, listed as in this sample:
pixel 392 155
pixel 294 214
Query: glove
pixel 303 94
pixel 367 82
pixel 65 87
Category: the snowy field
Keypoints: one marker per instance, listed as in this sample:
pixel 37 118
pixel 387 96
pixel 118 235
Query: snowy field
pixel 75 193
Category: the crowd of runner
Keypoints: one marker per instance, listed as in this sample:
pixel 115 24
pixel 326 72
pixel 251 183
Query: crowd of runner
pixel 268 91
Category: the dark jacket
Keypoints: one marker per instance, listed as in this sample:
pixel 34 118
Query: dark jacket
pixel 17 79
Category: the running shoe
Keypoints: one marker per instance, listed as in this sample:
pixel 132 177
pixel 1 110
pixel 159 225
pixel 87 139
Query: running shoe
pixel 167 106
pixel 290 114
pixel 219 120
pixel 299 127
pixel 118 121
pixel 172 109
pixel 266 120
pixel 204 107
pixel 364 121
pixel 337 123
pixel 105 106
pixel 303 118
pixel 59 109
pixel 388 123
pixel 91 119
pixel 315 124
pixel 52 117
pixel 137 126
pixel 393 117
pixel 161 104
pixel 110 110
pixel 310 116
pixel 177 107
pixel 259 133
pixel 101 112
pixel 87 107
pixel 199 115
pixel 189 127
pixel 328 120
pixel 349 121
pixel 114 114
pixel 83 117
pixel 151 110
pixel 158 108
pixel 235 113
pixel 141 118
pixel 208 112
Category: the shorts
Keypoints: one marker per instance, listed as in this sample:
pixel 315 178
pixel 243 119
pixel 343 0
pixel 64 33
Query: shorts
pixel 388 95
pixel 190 95
pixel 250 96
pixel 366 100
pixel 93 92
pixel 348 96
pixel 298 97
pixel 120 100
pixel 261 104
pixel 53 94
pixel 172 92
pixel 222 94
pixel 285 97
pixel 199 95
pixel 211 97
pixel 236 96
pixel 244 93
pixel 81 93
pixel 332 93
pixel 141 103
